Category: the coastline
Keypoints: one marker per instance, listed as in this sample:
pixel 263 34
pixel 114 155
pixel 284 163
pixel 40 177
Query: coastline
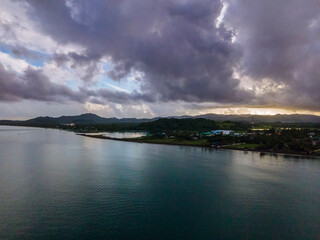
pixel 135 140
pixel 309 156
pixel 139 141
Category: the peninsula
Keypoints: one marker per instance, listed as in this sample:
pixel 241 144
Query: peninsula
pixel 248 133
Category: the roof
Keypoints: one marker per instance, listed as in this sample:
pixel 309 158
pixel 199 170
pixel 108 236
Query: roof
pixel 207 133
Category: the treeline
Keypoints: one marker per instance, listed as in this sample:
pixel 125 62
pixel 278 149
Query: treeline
pixel 173 124
pixel 276 125
pixel 29 124
pixel 285 140
pixel 160 125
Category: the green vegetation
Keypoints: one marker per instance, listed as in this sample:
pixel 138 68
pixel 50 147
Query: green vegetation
pixel 172 124
pixel 245 146
pixel 238 126
pixel 299 138
pixel 201 142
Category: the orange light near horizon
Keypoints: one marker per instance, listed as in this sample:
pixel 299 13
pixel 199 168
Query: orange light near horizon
pixel 257 111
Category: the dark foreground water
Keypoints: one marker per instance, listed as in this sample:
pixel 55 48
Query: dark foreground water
pixel 56 185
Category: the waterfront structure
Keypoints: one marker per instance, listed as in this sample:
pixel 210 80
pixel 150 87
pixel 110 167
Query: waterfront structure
pixel 222 132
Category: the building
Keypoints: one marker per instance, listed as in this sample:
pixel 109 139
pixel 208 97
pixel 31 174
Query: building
pixel 222 132
pixel 69 124
pixel 207 133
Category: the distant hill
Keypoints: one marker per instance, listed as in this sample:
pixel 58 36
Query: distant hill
pixel 90 118
pixel 82 119
pixel 290 118
pixel 87 118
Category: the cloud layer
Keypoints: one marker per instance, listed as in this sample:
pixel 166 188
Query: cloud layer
pixel 178 46
pixel 244 52
pixel 281 45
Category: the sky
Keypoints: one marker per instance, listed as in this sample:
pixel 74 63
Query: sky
pixel 142 58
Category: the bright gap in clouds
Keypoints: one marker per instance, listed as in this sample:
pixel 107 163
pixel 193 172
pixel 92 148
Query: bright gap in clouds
pixel 219 19
pixel 34 58
pixel 254 111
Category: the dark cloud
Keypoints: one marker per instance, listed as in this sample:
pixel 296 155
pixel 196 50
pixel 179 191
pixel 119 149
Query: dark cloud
pixel 183 54
pixel 6 28
pixel 281 42
pixel 86 64
pixel 21 52
pixel 35 85
pixel 176 44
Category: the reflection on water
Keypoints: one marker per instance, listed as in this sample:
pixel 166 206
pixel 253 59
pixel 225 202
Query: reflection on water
pixel 121 134
pixel 57 185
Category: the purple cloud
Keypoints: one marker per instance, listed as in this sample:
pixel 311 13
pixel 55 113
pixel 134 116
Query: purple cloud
pixel 183 53
pixel 176 44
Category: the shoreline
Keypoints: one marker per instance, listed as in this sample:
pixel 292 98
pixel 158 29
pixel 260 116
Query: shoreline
pixel 309 156
pixel 138 141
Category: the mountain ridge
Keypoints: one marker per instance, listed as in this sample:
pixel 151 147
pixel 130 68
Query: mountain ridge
pixel 90 118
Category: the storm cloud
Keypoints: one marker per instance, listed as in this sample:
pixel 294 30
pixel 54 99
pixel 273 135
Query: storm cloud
pixel 87 61
pixel 178 46
pixel 281 44
pixel 33 84
pixel 231 52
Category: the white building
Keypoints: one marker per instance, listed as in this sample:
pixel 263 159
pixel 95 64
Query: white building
pixel 222 132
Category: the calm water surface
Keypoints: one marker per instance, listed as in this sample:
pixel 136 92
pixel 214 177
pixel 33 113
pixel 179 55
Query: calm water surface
pixel 121 134
pixel 57 185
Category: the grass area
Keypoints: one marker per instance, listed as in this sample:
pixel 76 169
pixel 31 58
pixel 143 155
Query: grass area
pixel 226 125
pixel 200 142
pixel 241 131
pixel 264 127
pixel 249 146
